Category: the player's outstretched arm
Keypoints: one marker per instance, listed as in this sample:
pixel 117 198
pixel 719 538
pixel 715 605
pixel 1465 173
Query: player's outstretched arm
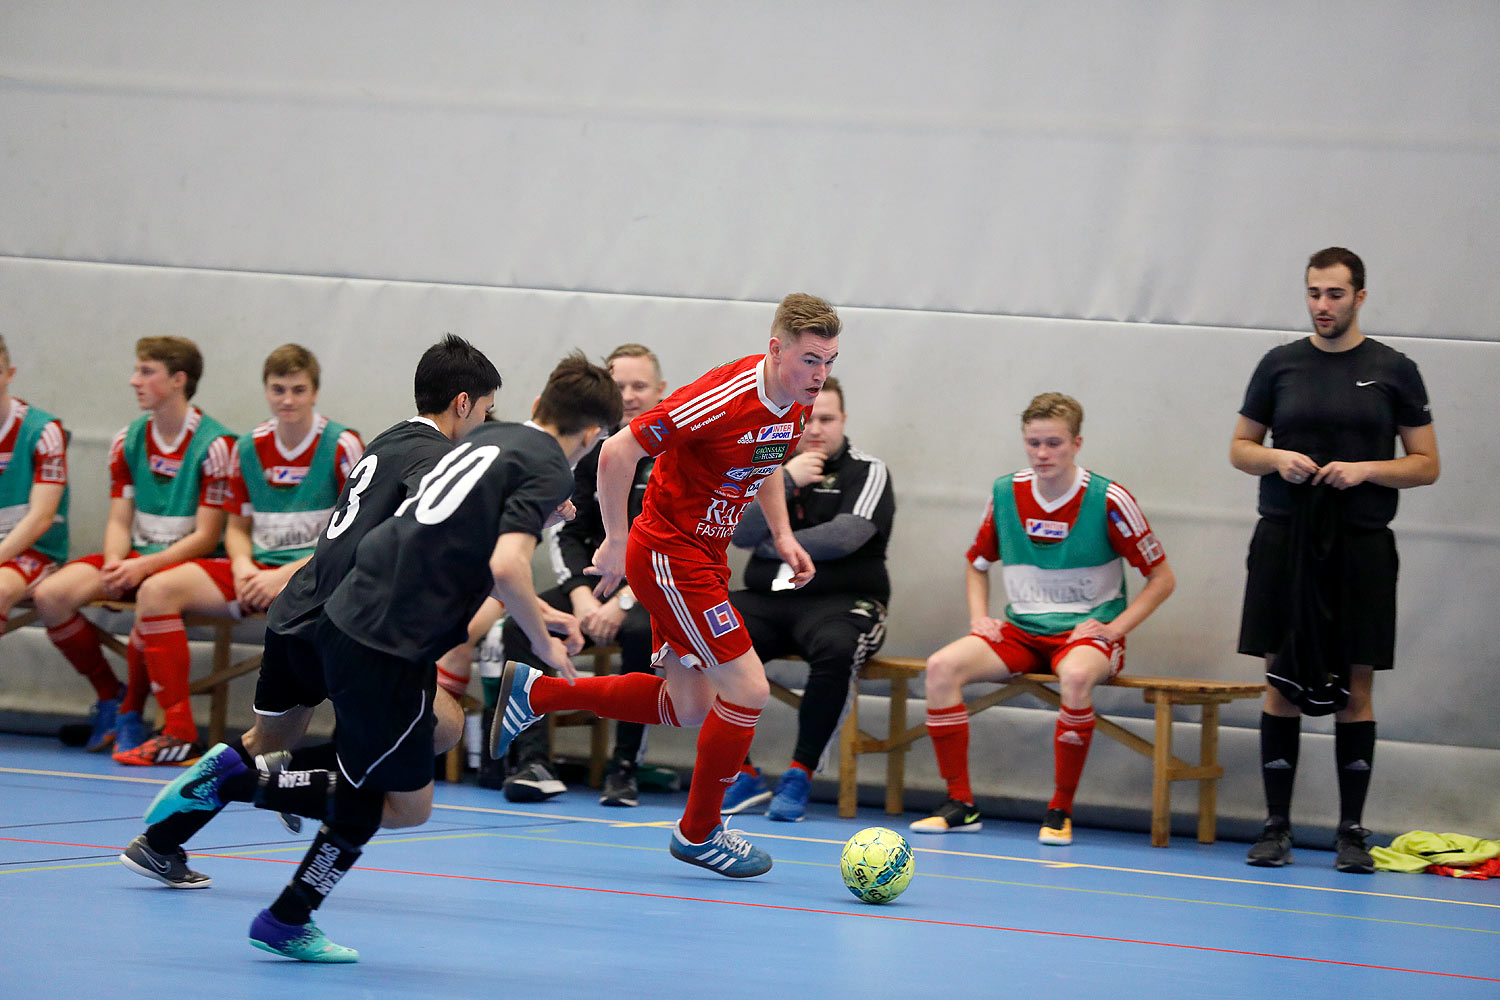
pixel 510 563
pixel 617 461
pixel 772 498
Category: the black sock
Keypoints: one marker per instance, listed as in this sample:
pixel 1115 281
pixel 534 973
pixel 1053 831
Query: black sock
pixel 325 862
pixel 302 793
pixel 1354 750
pixel 168 835
pixel 1280 739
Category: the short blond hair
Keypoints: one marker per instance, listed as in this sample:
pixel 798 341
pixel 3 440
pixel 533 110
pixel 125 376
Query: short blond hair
pixel 179 355
pixel 1054 406
pixel 634 351
pixel 801 313
pixel 290 359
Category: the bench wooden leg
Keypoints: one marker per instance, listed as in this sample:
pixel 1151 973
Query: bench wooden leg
pixel 849 759
pixel 895 760
pixel 218 704
pixel 1208 788
pixel 1161 782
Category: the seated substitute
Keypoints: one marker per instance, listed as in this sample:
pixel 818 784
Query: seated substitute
pixel 454 387
pixel 168 473
pixel 284 478
pixel 33 499
pixel 1059 531
pixel 841 503
pixel 619 619
pixel 417 581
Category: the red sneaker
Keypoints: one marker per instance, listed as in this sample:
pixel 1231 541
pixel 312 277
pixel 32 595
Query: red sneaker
pixel 161 749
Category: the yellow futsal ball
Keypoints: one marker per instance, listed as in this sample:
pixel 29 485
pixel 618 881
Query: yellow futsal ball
pixel 877 865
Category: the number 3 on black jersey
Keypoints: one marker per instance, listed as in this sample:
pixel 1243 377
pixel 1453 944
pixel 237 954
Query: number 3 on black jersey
pixel 359 481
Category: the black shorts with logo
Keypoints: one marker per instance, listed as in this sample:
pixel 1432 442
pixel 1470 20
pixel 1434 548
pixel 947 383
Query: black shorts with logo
pixel 383 706
pixel 1370 581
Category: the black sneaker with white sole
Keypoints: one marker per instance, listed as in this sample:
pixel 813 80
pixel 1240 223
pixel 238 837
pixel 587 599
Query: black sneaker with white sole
pixel 533 782
pixel 1353 856
pixel 168 869
pixel 1273 848
pixel 620 787
pixel 952 816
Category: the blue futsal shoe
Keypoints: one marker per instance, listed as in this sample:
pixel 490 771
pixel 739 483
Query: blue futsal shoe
pixel 198 786
pixel 726 852
pixel 304 942
pixel 102 723
pixel 744 793
pixel 789 804
pixel 130 731
pixel 514 712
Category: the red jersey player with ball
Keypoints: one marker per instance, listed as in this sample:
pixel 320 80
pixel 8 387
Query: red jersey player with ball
pixel 719 443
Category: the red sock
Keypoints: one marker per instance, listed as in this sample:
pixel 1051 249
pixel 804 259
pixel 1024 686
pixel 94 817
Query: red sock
pixel 949 729
pixel 139 683
pixel 801 766
pixel 1070 745
pixel 76 639
pixel 722 744
pixel 168 661
pixel 632 697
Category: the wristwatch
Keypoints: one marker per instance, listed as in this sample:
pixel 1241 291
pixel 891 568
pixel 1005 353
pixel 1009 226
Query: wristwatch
pixel 627 599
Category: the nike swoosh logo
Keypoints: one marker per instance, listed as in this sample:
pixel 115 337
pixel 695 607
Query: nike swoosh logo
pixel 1363 384
pixel 160 869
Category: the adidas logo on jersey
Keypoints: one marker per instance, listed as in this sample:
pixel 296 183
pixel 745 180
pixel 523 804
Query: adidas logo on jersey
pixel 746 438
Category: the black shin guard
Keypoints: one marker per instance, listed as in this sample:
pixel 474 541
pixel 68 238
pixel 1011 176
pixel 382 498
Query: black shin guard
pixel 301 793
pixel 352 821
pixel 1280 739
pixel 1354 750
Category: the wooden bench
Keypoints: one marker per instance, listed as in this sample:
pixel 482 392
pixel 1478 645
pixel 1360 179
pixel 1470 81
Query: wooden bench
pixel 216 685
pixel 1163 692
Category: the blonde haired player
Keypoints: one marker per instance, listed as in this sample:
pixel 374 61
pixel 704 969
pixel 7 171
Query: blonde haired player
pixel 1059 531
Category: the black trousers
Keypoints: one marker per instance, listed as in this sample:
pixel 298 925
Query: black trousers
pixel 834 633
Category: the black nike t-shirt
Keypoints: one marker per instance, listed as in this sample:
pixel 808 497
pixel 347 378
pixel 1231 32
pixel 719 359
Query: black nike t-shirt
pixel 389 471
pixel 419 577
pixel 1336 407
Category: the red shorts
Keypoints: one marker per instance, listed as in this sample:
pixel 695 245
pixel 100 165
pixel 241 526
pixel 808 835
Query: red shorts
pixel 97 561
pixel 31 566
pixel 689 606
pixel 221 574
pixel 1025 653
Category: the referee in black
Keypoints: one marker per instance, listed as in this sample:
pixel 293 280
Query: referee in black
pixel 1320 596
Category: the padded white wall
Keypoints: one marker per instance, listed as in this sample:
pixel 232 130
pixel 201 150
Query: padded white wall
pixel 1113 200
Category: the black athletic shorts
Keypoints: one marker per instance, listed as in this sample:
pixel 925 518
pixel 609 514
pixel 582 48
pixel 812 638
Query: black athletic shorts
pixel 383 706
pixel 1372 566
pixel 291 675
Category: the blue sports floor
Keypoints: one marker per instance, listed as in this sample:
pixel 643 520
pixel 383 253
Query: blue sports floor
pixel 570 899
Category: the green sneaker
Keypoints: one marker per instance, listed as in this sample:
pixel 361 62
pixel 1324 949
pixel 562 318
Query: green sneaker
pixel 304 942
pixel 198 786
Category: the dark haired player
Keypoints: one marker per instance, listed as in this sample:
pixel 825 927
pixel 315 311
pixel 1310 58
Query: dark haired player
pixel 418 577
pixel 454 388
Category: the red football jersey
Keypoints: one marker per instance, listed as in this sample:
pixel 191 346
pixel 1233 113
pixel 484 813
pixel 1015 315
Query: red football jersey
pixel 716 439
pixel 49 463
pixel 166 457
pixel 288 467
pixel 1129 533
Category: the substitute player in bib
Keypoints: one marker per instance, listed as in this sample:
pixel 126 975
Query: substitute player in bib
pixel 1060 532
pixel 418 578
pixel 33 498
pixel 454 387
pixel 719 444
pixel 284 478
pixel 168 472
